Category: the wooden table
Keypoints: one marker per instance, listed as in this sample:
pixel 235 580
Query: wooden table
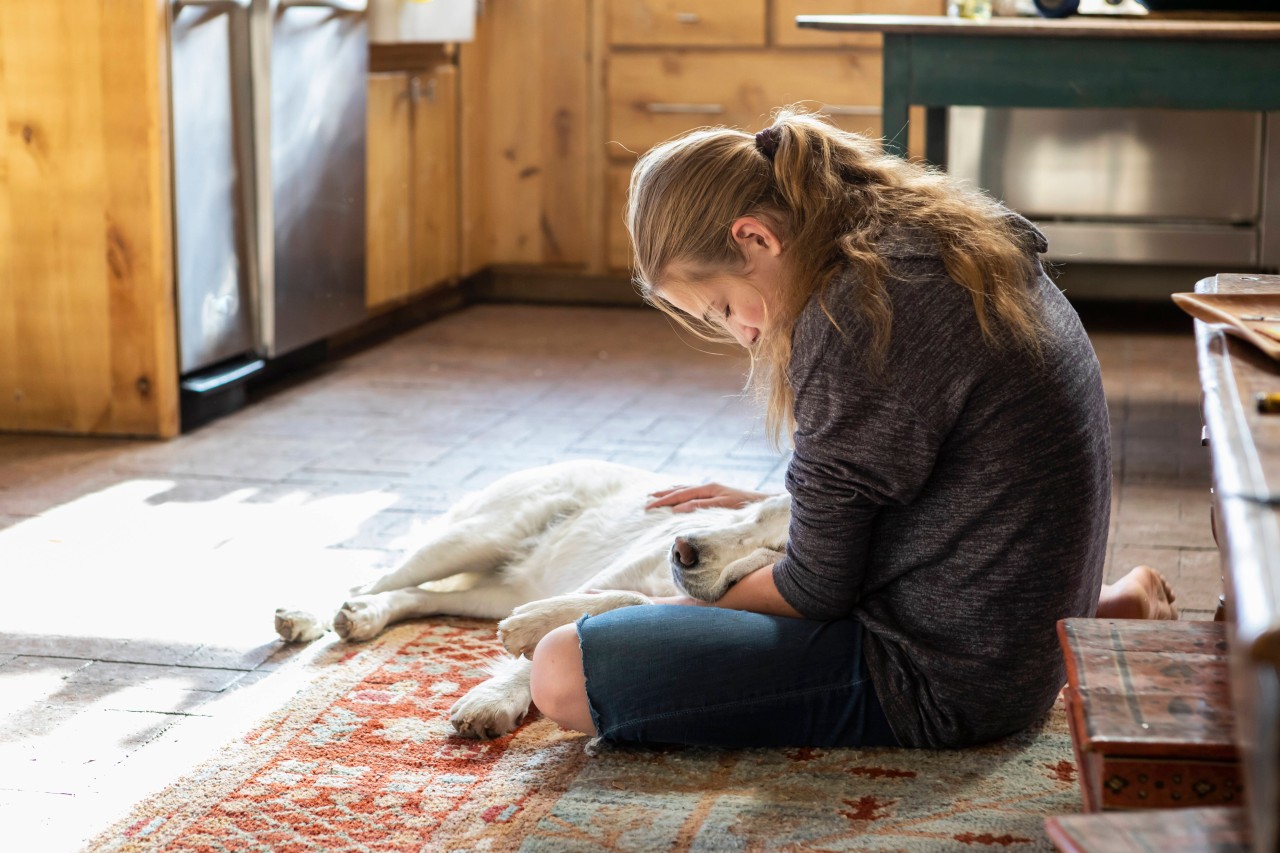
pixel 1245 446
pixel 1073 62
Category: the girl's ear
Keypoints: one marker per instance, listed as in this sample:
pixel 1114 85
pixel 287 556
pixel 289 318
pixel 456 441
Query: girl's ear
pixel 754 236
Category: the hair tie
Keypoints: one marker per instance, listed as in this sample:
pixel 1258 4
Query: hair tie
pixel 767 142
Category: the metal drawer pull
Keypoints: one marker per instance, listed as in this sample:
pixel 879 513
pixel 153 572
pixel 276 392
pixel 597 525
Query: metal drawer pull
pixel 688 17
pixel 178 5
pixel 846 110
pixel 686 109
pixel 337 5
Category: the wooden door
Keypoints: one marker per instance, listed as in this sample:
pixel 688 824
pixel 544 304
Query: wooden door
pixel 390 168
pixel 433 253
pixel 523 99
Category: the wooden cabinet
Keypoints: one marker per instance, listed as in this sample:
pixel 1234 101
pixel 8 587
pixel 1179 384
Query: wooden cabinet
pixel 738 23
pixel 87 336
pixel 655 95
pixel 526 93
pixel 674 65
pixel 390 207
pixel 558 99
pixel 413 211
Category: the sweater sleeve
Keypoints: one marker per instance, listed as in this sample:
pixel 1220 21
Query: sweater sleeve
pixel 859 447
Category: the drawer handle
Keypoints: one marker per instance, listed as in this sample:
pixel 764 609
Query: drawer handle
pixel 847 110
pixel 686 109
pixel 688 17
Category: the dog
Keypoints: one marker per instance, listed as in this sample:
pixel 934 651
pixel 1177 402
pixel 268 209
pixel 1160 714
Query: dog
pixel 538 549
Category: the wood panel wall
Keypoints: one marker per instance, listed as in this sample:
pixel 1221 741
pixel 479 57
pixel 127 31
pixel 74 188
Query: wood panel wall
pixel 87 335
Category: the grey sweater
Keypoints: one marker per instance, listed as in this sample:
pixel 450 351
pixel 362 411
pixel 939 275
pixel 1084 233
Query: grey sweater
pixel 956 503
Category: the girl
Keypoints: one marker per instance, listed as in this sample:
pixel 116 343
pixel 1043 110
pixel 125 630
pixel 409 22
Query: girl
pixel 951 472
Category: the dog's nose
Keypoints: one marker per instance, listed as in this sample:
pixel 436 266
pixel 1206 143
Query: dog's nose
pixel 685 553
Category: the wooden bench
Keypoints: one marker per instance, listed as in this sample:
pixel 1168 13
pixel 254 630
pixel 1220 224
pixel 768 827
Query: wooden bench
pixel 1149 709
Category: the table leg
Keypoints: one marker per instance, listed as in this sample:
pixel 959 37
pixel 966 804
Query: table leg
pixel 935 136
pixel 893 109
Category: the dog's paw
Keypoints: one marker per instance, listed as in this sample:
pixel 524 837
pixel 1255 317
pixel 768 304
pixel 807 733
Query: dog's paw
pixel 361 618
pixel 529 623
pixel 299 626
pixel 489 710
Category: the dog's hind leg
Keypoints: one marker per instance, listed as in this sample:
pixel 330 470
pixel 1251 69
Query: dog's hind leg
pixel 468 546
pixel 495 707
pixel 460 547
pixel 363 617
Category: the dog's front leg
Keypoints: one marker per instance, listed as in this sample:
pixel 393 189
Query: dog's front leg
pixel 529 623
pixel 496 706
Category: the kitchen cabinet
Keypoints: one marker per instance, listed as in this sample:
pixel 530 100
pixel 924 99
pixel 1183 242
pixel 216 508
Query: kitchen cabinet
pixel 558 99
pixel 511 151
pixel 87 328
pixel 701 23
pixel 531 148
pixel 413 223
pixel 673 65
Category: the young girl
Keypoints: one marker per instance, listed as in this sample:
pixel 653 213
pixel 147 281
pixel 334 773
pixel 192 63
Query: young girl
pixel 951 472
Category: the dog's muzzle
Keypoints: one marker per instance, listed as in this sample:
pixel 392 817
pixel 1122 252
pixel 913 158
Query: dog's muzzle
pixel 683 553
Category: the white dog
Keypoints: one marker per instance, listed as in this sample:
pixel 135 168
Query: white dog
pixel 532 545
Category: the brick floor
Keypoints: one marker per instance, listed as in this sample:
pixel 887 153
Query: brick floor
pixel 141 576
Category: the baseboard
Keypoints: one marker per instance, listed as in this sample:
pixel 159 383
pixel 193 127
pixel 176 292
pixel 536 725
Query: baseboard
pixel 492 285
pixel 542 285
pixel 401 318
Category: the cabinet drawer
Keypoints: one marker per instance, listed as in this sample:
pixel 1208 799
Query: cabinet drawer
pixel 654 96
pixel 787 34
pixel 687 22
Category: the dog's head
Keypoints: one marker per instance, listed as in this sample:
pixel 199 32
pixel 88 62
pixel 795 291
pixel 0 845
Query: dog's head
pixel 706 561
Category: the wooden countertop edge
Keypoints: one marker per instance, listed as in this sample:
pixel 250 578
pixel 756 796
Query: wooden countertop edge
pixel 1119 28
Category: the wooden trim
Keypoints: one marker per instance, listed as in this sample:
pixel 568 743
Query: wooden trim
pixel 517 283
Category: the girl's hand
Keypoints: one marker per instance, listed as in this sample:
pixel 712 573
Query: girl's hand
pixel 689 498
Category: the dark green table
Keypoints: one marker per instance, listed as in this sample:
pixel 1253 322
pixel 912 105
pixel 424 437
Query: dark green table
pixel 1072 62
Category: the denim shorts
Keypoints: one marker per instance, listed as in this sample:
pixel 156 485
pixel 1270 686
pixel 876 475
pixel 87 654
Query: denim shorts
pixel 712 677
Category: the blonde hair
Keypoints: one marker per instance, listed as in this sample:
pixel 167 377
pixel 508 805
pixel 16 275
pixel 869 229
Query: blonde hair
pixel 830 195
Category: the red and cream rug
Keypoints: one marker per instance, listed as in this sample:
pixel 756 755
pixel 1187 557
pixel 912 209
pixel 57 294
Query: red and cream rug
pixel 363 758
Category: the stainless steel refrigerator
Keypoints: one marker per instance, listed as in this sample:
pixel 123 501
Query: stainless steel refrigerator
pixel 268 107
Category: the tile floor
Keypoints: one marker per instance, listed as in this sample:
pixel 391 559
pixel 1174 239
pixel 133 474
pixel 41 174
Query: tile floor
pixel 141 576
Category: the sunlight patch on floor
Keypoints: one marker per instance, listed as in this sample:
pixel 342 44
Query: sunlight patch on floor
pixel 125 562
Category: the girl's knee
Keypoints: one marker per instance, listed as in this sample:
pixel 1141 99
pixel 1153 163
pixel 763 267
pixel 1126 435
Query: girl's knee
pixel 557 684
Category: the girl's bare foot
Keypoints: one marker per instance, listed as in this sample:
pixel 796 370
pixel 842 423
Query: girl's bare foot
pixel 1141 594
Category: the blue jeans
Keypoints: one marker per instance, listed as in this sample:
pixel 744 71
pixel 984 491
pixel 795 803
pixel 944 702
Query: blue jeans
pixel 712 677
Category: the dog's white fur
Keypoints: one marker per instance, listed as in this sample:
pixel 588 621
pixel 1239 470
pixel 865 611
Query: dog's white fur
pixel 533 545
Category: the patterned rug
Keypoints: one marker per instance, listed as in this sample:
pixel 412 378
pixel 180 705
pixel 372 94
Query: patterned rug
pixel 363 758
